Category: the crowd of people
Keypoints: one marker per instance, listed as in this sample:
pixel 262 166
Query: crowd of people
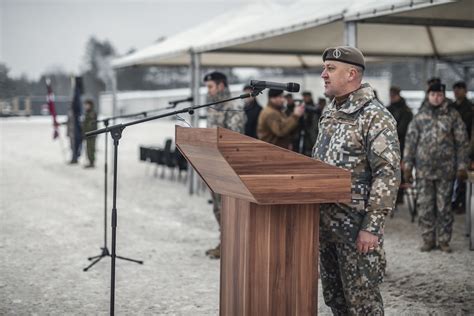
pixel 383 147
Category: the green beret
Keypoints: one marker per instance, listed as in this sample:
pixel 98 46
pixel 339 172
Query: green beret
pixel 345 54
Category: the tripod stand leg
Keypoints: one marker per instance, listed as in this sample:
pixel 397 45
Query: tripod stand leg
pixel 95 257
pixel 128 259
pixel 93 263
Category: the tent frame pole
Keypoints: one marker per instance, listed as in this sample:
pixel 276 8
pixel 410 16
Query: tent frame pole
pixel 195 85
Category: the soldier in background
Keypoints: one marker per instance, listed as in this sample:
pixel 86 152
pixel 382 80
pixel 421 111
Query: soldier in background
pixel 296 134
pixel 357 133
pixel 274 126
pixel 252 111
pixel 90 124
pixel 465 109
pixel 436 146
pixel 228 115
pixel 403 115
pixel 310 122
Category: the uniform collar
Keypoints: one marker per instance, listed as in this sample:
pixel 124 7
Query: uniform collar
pixel 356 100
pixel 443 108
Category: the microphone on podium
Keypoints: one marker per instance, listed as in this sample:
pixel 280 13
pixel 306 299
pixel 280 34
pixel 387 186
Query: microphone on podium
pixel 290 86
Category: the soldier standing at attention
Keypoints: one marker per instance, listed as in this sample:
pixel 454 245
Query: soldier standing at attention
pixel 90 124
pixel 356 133
pixel 436 145
pixel 228 115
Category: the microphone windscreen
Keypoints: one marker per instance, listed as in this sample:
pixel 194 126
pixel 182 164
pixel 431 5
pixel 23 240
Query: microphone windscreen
pixel 293 87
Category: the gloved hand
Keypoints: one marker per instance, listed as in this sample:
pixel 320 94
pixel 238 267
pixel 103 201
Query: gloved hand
pixel 461 175
pixel 407 175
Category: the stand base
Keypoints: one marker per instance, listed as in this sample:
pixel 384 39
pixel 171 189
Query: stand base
pixel 106 253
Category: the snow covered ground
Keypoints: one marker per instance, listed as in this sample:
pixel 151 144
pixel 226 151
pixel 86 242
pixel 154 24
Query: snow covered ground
pixel 51 220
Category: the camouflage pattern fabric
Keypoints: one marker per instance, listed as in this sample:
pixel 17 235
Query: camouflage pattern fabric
pixel 436 146
pixel 217 205
pixel 350 279
pixel 90 124
pixel 359 135
pixel 436 143
pixel 434 209
pixel 229 115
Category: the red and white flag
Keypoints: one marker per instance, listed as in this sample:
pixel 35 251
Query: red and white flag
pixel 52 108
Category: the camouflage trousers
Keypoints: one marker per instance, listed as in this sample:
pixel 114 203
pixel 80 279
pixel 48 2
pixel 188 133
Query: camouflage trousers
pixel 351 280
pixel 217 205
pixel 90 145
pixel 434 209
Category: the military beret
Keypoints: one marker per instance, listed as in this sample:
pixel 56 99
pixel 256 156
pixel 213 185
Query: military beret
pixel 437 87
pixel 215 76
pixel 274 93
pixel 460 85
pixel 345 54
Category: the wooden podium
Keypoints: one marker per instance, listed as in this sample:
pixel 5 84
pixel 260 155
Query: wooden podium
pixel 270 218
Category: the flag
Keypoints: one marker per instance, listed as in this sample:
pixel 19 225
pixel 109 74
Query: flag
pixel 52 108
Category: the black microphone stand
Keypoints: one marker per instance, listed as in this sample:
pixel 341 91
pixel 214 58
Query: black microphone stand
pixel 104 250
pixel 116 133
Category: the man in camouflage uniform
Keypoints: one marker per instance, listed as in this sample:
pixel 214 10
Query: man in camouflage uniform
pixel 356 133
pixel 436 145
pixel 90 124
pixel 229 115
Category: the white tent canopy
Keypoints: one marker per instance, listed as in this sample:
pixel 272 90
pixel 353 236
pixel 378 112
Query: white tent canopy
pixel 294 35
pixel 269 34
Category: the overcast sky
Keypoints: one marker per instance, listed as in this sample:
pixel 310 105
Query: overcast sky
pixel 36 35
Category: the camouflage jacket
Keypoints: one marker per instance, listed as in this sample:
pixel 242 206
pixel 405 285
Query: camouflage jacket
pixel 361 136
pixel 229 115
pixel 90 121
pixel 436 143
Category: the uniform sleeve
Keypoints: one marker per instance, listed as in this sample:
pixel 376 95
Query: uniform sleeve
pixel 282 127
pixel 215 117
pixel 383 151
pixel 411 141
pixel 461 143
pixel 94 121
pixel 234 117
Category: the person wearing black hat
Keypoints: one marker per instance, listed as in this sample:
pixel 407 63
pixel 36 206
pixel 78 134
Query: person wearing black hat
pixel 463 105
pixel 357 133
pixel 252 112
pixel 274 126
pixel 429 83
pixel 296 134
pixel 466 110
pixel 309 122
pixel 229 115
pixel 436 146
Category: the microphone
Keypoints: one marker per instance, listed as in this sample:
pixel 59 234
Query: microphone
pixel 290 86
pixel 190 99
